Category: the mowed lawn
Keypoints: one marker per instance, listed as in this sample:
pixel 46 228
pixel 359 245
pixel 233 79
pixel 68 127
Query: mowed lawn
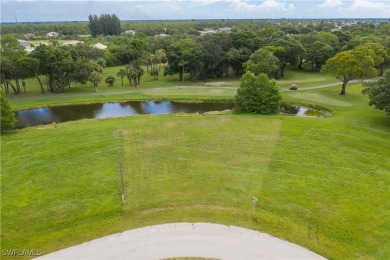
pixel 323 183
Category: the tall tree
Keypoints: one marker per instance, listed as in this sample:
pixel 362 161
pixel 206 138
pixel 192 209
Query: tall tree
pixel 329 38
pixel 106 24
pixel 262 61
pixel 82 70
pixel 94 25
pixel 95 78
pixel 122 73
pixel 57 64
pixel 379 93
pixel 161 56
pixel 236 59
pixel 287 51
pixel 29 67
pixel 215 59
pixel 60 64
pixel 8 119
pixel 11 51
pixel 349 65
pixel 183 56
pixel 134 73
pixel 377 52
pixel 318 53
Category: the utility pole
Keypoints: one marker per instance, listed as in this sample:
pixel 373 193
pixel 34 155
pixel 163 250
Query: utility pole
pixel 117 137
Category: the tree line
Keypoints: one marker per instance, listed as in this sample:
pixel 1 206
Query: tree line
pixel 258 50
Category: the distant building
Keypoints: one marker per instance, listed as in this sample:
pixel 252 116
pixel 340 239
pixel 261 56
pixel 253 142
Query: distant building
pixel 99 46
pixel 161 35
pixel 207 32
pixel 26 45
pixel 225 30
pixel 52 34
pixel 29 36
pixel 74 42
pixel 130 32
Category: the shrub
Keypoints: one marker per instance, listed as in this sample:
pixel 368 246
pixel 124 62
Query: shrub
pixel 257 94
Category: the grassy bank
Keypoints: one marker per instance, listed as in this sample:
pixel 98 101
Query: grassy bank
pixel 322 183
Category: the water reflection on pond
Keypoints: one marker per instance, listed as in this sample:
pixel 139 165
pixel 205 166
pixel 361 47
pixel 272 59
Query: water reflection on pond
pixel 41 116
pixel 302 111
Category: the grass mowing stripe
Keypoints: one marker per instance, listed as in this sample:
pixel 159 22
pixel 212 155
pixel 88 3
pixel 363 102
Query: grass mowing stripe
pixel 261 171
pixel 284 161
pixel 60 161
pixel 69 147
pixel 333 196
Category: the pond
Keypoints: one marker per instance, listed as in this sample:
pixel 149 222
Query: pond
pixel 302 111
pixel 48 115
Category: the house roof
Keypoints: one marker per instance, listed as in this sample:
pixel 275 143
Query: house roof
pixel 51 34
pixel 72 42
pixel 99 46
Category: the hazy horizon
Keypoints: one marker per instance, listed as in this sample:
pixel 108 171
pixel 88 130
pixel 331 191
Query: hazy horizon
pixel 133 10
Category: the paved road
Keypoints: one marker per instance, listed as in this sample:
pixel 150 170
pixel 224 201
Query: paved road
pixel 186 239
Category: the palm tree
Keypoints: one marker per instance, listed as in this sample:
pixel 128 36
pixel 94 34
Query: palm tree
pixel 131 74
pixel 161 57
pixel 95 78
pixel 139 72
pixel 122 73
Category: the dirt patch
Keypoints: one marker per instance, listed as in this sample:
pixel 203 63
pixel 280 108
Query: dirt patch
pixel 218 84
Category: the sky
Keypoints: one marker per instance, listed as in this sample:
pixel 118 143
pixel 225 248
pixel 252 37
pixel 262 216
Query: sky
pixel 78 10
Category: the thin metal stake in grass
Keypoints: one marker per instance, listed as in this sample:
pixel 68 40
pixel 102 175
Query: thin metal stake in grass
pixel 116 134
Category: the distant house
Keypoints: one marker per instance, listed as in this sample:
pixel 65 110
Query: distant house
pixel 207 32
pixel 130 32
pixel 225 30
pixel 163 35
pixel 52 34
pixel 99 46
pixel 26 45
pixel 29 36
pixel 74 42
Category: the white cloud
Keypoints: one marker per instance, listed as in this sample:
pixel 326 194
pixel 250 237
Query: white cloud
pixel 330 4
pixel 244 5
pixel 362 5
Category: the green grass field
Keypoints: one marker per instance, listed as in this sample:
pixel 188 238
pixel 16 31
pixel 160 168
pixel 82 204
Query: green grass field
pixel 323 183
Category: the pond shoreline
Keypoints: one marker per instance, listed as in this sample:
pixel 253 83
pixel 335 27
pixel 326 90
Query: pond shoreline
pixel 59 114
